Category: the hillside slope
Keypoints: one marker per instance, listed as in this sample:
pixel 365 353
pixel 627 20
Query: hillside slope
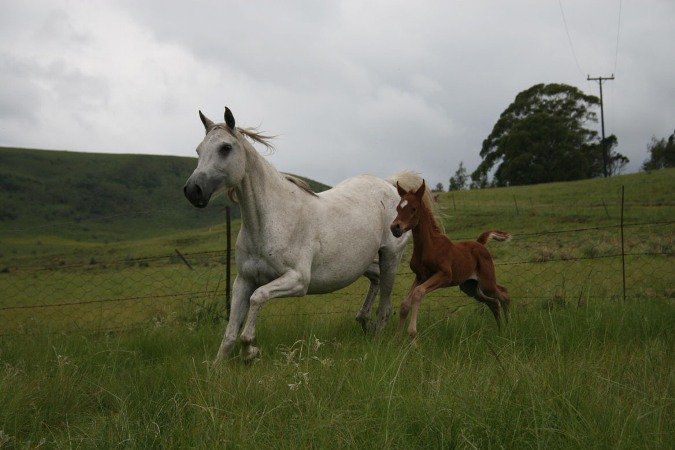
pixel 41 187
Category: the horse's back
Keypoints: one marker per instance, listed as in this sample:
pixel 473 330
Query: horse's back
pixel 364 186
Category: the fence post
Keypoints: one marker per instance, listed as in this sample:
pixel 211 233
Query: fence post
pixel 454 207
pixel 228 262
pixel 516 203
pixel 623 252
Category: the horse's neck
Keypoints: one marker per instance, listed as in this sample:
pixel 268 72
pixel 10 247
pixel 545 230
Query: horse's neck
pixel 261 194
pixel 424 233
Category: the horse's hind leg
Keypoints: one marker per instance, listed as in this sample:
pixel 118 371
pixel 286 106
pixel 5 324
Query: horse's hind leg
pixel 373 274
pixel 491 300
pixel 487 290
pixel 505 300
pixel 469 287
pixel 389 259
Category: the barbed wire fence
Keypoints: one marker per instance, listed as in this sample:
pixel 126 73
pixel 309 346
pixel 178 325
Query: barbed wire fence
pixel 552 268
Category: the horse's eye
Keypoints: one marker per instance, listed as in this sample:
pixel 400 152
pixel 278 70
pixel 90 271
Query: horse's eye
pixel 225 149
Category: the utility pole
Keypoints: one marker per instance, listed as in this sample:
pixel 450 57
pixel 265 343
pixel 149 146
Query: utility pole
pixel 605 156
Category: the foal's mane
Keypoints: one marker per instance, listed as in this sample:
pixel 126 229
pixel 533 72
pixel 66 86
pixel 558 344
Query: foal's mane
pixel 429 205
pixel 411 181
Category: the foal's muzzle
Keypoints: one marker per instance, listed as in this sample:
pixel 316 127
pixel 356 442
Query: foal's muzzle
pixel 396 230
pixel 195 194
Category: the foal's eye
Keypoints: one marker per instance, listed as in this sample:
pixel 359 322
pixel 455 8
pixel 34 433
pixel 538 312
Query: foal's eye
pixel 225 149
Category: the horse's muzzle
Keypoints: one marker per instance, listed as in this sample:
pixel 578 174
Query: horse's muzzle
pixel 195 195
pixel 396 230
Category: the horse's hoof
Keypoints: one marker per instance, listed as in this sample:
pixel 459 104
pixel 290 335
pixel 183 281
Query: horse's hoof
pixel 251 354
pixel 364 324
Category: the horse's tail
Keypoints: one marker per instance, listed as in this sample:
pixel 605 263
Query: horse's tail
pixel 411 181
pixel 493 234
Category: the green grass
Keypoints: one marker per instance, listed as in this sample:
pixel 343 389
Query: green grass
pixel 594 377
pixel 97 197
pixel 577 367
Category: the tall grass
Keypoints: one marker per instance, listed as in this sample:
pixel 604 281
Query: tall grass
pixel 599 376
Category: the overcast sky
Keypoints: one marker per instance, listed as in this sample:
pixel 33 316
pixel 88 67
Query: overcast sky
pixel 348 87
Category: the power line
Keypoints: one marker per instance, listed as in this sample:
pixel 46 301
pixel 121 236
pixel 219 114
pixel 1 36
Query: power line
pixel 569 38
pixel 618 32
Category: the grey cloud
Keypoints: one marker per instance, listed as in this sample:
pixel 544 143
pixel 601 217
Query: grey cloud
pixel 350 87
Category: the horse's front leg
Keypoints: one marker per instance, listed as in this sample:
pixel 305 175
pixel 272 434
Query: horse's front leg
pixel 405 306
pixel 437 280
pixel 241 293
pixel 290 284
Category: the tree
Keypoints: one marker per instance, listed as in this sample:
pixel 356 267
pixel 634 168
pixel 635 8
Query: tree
pixel 439 187
pixel 615 160
pixel 459 179
pixel 542 137
pixel 661 153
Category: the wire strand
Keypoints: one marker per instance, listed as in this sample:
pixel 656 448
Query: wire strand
pixel 569 38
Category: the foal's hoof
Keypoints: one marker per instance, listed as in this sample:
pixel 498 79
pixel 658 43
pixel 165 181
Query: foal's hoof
pixel 251 353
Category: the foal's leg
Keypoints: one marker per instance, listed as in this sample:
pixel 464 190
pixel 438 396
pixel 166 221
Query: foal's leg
pixel 241 293
pixel 487 291
pixel 373 274
pixel 505 300
pixel 405 306
pixel 388 263
pixel 437 280
pixel 290 284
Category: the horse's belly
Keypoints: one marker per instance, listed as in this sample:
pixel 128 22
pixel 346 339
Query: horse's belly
pixel 323 281
pixel 339 269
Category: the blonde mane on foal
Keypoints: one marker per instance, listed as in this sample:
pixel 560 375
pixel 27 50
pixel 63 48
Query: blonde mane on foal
pixel 411 181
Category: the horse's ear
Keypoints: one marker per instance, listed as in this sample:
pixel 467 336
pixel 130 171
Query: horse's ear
pixel 401 191
pixel 229 118
pixel 420 191
pixel 208 124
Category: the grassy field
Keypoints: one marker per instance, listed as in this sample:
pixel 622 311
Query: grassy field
pixel 81 198
pixel 577 367
pixel 597 377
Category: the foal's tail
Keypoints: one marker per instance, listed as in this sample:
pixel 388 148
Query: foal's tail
pixel 493 234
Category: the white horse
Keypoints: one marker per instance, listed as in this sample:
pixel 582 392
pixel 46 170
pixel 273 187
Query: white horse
pixel 292 241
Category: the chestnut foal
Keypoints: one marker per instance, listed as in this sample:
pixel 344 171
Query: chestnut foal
pixel 438 262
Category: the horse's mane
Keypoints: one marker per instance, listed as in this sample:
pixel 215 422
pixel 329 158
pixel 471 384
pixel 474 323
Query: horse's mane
pixel 265 139
pixel 258 136
pixel 411 181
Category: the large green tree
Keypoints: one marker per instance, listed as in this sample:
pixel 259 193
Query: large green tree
pixel 661 153
pixel 543 136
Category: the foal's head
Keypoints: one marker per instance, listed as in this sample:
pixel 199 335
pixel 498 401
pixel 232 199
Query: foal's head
pixel 221 161
pixel 408 209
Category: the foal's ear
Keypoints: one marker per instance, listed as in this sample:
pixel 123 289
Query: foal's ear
pixel 420 191
pixel 208 123
pixel 401 191
pixel 229 118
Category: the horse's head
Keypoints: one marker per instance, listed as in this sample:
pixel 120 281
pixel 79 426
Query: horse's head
pixel 221 161
pixel 408 209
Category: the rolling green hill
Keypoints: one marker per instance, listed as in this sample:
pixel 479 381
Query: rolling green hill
pixel 119 192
